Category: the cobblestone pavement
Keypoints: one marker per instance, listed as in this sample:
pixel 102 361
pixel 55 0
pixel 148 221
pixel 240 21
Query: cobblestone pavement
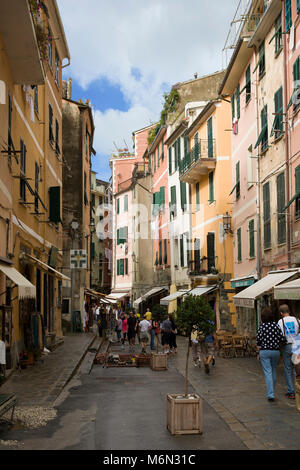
pixel 235 388
pixel 41 384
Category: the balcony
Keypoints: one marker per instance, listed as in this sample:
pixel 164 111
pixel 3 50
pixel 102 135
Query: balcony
pixel 203 267
pixel 19 36
pixel 199 161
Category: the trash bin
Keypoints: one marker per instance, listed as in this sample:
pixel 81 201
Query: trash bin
pixel 76 321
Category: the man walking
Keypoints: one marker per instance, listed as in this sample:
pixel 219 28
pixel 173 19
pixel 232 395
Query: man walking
pixel 289 326
pixel 166 329
pixel 144 336
pixel 131 330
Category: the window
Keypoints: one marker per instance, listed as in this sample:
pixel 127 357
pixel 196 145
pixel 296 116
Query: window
pixel 23 171
pixel 277 128
pixel 278 34
pixel 210 143
pixel 36 187
pixel 239 244
pixel 175 147
pixel 237 179
pixel 126 203
pixel 170 160
pixel 281 216
pixel 248 84
pixel 183 198
pixel 158 156
pixel 211 257
pixel 197 255
pixel 162 198
pixel 173 204
pixel 238 108
pixel 56 68
pixel 50 48
pixel 261 64
pixel 211 187
pixel 118 206
pixel 296 76
pixel 233 107
pixel 263 136
pixel 186 145
pixel 251 239
pixel 197 196
pixel 51 135
pixel 288 14
pixel 181 251
pixel 122 235
pixel 54 206
pixel 196 143
pixel 57 149
pixel 162 150
pixel 298 6
pixel 267 216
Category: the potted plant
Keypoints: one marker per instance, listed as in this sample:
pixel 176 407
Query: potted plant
pixel 184 411
pixel 159 361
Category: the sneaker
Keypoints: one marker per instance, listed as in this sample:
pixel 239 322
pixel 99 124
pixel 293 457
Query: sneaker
pixel 290 395
pixel 271 399
pixel 206 368
pixel 213 362
pixel 196 363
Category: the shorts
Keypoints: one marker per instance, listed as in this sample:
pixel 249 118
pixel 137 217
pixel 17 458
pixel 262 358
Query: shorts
pixel 144 337
pixel 131 334
pixel 207 349
pixel 165 338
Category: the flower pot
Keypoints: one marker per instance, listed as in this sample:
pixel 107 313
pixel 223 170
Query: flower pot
pixel 184 414
pixel 159 361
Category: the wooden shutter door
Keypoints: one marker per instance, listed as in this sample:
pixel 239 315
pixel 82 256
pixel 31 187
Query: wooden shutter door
pixel 210 251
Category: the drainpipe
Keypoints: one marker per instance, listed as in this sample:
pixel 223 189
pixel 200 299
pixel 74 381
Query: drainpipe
pixel 287 136
pixel 258 204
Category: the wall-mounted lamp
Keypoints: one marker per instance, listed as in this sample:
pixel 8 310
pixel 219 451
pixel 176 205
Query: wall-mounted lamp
pixel 227 223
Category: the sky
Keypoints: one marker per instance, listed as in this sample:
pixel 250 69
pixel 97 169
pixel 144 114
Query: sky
pixel 125 54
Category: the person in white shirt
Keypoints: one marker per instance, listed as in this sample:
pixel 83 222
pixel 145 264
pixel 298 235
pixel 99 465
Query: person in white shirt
pixel 289 326
pixel 144 327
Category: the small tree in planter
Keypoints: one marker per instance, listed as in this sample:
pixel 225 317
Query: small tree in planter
pixel 184 414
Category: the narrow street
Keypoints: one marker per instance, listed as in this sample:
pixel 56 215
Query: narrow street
pixel 122 408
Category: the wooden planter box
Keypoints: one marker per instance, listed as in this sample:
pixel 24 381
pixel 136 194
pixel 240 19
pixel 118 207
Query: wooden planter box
pixel 143 360
pixel 159 361
pixel 184 415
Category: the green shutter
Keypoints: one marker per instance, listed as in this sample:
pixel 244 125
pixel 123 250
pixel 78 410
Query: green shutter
pixel 238 108
pixel 267 216
pixel 118 206
pixel 170 160
pixel 237 180
pixel 211 187
pixel 210 142
pixel 277 127
pixel 233 107
pixel 183 195
pixel 181 251
pixel 173 200
pixel 239 244
pixel 251 239
pixel 298 6
pixel 126 265
pixel 248 84
pixel 288 15
pixel 54 210
pixel 162 196
pixel 281 216
pixel 179 149
pixel 118 267
pixel 126 203
pixel 93 250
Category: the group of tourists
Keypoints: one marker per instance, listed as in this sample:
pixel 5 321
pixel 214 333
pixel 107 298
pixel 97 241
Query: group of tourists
pixel 273 338
pixel 147 330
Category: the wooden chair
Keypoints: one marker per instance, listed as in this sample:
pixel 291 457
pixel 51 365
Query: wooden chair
pixel 239 346
pixel 226 346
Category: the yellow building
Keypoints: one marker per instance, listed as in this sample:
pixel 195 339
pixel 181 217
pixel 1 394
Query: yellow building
pixel 32 48
pixel 207 168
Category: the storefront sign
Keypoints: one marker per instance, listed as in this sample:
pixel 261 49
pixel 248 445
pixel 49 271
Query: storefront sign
pixel 248 303
pixel 242 283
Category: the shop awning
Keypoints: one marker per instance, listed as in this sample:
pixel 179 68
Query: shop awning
pixel 46 266
pixel 176 295
pixel 247 297
pixel 93 293
pixel 289 290
pixel 116 295
pixel 243 281
pixel 137 302
pixel 202 290
pixel 26 289
pixel 153 291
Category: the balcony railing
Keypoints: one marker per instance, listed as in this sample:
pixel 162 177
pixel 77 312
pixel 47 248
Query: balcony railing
pixel 204 149
pixel 203 266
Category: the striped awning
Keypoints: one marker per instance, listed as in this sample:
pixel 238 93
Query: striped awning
pixel 26 289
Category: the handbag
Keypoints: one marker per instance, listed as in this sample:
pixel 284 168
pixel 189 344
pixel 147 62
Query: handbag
pixel 283 342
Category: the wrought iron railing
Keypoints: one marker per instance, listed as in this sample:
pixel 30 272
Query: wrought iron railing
pixel 203 266
pixel 202 149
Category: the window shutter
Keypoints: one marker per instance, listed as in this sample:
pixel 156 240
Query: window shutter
pixel 210 138
pixel 183 194
pixel 118 206
pixel 93 250
pixel 267 219
pixel 181 251
pixel 122 267
pixel 170 160
pixel 54 210
pixel 237 180
pixel 126 265
pixel 197 196
pixel 238 109
pixel 298 6
pixel 162 196
pixel 118 267
pixel 179 149
pixel 233 107
pixel 210 239
pixel 281 217
pixel 239 243
pixel 126 203
pixel 211 187
pixel 251 239
pixel 197 255
pixel 248 84
pixel 288 15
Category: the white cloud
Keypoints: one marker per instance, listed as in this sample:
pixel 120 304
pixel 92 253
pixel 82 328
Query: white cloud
pixel 165 40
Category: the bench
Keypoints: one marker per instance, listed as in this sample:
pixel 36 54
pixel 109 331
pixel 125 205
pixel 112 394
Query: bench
pixel 7 402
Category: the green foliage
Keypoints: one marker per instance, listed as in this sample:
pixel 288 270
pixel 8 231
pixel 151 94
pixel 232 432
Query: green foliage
pixel 195 311
pixel 170 105
pixel 159 312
